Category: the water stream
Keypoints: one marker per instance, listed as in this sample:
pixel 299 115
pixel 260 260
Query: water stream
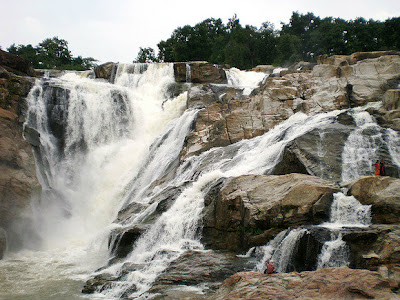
pixel 107 146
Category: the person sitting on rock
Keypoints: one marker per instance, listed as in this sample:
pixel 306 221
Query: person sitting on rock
pixel 270 268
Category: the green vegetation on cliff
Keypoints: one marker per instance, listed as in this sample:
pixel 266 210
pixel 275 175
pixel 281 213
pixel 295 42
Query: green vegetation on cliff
pixel 304 38
pixel 52 53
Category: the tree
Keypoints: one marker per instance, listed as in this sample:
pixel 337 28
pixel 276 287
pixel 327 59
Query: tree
pixel 146 55
pixel 391 34
pixel 302 26
pixel 288 49
pixel 52 53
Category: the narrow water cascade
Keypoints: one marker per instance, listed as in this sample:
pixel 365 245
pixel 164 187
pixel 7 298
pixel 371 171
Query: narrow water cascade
pixel 366 144
pixel 244 79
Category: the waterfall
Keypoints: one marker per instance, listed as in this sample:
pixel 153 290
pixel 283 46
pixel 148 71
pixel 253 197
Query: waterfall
pixel 107 148
pixel 346 211
pixel 247 80
pixel 335 253
pixel 367 144
pixel 177 229
pixel 188 73
pixel 95 138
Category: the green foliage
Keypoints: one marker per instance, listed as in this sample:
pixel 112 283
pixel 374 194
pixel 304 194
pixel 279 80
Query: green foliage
pixel 304 37
pixel 52 53
pixel 146 55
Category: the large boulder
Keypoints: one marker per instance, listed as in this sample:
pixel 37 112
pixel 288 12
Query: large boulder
pixel 223 123
pixel 330 283
pixel 199 72
pixel 383 193
pixel 249 210
pixel 376 248
pixel 198 267
pixel 391 99
pixel 106 71
pixel 16 64
pixel 317 152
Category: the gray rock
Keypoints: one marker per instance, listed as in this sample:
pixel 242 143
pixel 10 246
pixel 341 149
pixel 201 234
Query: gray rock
pixel 3 242
pixel 199 267
pixel 249 210
pixel 383 193
pixel 32 136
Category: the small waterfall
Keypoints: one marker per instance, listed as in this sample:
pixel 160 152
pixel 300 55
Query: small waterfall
pixel 335 253
pixel 346 211
pixel 366 144
pixel 188 73
pixel 247 80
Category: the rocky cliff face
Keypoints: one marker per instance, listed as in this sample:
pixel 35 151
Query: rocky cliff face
pixel 18 180
pixel 335 84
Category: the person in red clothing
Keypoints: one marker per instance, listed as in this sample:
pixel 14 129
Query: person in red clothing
pixel 377 168
pixel 270 268
pixel 382 169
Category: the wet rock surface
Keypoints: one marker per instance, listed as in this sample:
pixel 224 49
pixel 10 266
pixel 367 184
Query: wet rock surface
pixel 18 182
pixel 249 210
pixel 194 268
pixel 105 71
pixel 330 283
pixel 327 87
pixel 199 72
pixel 383 193
pixel 376 248
pixel 317 152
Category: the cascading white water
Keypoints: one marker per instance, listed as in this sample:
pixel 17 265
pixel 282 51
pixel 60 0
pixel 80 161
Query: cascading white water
pixel 120 139
pixel 108 130
pixel 247 80
pixel 346 211
pixel 177 229
pixel 334 253
pixel 280 250
pixel 188 73
pixel 363 145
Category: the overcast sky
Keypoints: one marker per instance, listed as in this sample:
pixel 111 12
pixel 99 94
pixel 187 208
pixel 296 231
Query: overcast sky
pixel 113 30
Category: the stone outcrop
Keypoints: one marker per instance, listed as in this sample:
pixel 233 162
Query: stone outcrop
pixel 330 283
pixel 389 114
pixel 383 193
pixel 199 72
pixel 375 248
pixel 106 71
pixel 18 180
pixel 342 60
pixel 15 64
pixel 327 87
pixel 198 267
pixel 250 210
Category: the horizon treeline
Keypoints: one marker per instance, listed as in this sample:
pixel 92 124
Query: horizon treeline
pixel 52 53
pixel 304 38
